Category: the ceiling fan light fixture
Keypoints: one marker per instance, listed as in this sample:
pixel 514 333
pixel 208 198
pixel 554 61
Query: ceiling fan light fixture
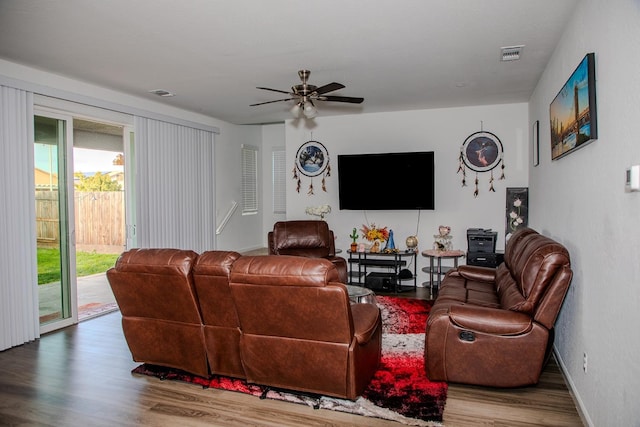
pixel 296 110
pixel 310 110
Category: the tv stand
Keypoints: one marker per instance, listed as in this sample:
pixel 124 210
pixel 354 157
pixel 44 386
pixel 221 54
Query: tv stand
pixel 381 271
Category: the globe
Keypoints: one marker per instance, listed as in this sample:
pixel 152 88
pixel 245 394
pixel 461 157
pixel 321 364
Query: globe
pixel 412 242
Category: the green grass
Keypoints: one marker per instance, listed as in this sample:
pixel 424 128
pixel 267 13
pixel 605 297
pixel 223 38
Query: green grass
pixel 87 263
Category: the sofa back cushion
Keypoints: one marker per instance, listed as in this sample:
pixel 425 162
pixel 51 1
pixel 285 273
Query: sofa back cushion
pixel 535 268
pixel 211 276
pixel 156 284
pixel 302 238
pixel 291 297
pixel 161 317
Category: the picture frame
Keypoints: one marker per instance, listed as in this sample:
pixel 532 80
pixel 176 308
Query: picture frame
pixel 312 158
pixel 482 151
pixel 572 114
pixel 535 144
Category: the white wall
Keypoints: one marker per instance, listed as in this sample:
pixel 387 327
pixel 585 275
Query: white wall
pixel 442 131
pixel 242 232
pixel 580 201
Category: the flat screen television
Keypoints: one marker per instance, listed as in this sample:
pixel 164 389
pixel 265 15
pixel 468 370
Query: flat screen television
pixel 387 181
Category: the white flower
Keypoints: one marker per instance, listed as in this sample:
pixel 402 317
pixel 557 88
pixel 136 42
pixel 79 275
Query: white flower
pixel 517 203
pixel 513 215
pixel 320 211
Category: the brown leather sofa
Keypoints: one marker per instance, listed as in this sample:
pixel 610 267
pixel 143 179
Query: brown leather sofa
pixel 280 321
pixel 299 330
pixel 306 238
pixel 494 327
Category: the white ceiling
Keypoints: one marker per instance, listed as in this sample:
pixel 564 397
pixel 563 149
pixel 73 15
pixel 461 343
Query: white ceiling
pixel 397 54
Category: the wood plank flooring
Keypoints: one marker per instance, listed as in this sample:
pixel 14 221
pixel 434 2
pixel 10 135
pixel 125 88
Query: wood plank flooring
pixel 81 376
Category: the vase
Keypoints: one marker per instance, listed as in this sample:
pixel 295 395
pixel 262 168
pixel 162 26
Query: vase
pixel 354 247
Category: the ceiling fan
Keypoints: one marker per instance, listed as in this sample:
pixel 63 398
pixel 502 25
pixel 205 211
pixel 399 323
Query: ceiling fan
pixel 305 94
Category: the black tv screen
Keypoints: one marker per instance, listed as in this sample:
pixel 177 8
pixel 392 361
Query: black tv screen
pixel 387 181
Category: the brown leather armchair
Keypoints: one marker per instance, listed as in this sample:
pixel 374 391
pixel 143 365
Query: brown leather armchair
pixel 494 327
pixel 299 330
pixel 160 313
pixel 221 326
pixel 306 238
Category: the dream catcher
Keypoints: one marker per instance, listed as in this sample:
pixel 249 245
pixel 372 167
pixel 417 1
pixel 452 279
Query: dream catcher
pixel 481 152
pixel 312 159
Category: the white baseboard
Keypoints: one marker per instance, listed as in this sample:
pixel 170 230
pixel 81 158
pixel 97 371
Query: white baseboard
pixel 582 411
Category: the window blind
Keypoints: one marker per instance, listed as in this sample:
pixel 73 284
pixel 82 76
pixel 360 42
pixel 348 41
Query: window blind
pixel 249 179
pixel 175 189
pixel 18 263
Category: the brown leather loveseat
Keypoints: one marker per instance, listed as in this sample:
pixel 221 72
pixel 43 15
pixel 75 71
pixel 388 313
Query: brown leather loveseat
pixel 280 321
pixel 494 327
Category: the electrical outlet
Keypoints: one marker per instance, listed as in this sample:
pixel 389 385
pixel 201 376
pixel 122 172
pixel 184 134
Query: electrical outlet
pixel 584 362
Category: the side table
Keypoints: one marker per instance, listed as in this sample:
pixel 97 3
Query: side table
pixel 360 294
pixel 435 264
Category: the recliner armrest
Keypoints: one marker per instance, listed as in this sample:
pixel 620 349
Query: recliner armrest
pixel 365 321
pixel 488 320
pixel 477 273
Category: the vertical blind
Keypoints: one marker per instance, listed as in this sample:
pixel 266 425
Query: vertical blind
pixel 249 179
pixel 18 265
pixel 175 187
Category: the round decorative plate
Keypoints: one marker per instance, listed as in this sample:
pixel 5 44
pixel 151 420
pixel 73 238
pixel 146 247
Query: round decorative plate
pixel 482 151
pixel 312 158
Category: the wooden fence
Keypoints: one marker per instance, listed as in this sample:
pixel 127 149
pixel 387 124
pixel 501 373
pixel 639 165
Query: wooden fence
pixel 99 218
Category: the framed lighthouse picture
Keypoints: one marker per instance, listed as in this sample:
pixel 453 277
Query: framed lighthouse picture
pixel 572 113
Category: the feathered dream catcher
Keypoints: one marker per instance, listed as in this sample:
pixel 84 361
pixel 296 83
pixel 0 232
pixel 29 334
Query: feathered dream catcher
pixel 312 159
pixel 481 152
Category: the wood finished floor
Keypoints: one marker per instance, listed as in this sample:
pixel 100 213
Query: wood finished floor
pixel 81 376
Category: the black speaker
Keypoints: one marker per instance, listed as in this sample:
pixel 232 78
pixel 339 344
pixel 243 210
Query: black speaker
pixel 380 281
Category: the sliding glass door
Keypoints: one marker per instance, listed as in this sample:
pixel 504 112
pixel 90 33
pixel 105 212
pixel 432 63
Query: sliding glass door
pixel 54 221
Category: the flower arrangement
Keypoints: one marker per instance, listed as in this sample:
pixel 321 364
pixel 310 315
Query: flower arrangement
pixel 374 233
pixel 320 211
pixel 515 216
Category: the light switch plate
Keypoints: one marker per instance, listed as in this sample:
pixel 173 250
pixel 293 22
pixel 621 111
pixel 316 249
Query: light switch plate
pixel 633 179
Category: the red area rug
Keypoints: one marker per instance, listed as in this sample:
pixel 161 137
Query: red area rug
pixel 399 390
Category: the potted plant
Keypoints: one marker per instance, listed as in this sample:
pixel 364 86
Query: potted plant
pixel 354 237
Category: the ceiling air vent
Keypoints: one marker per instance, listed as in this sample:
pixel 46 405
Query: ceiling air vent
pixel 510 53
pixel 162 92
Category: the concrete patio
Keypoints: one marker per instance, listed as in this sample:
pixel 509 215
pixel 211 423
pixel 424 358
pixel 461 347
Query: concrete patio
pixel 94 297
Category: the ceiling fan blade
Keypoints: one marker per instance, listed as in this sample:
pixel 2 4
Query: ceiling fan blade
pixel 348 99
pixel 270 102
pixel 329 88
pixel 275 90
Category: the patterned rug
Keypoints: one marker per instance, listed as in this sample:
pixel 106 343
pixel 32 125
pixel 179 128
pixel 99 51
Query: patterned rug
pixel 399 390
pixel 95 309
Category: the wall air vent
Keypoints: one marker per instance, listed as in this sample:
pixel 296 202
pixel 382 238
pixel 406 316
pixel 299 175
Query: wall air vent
pixel 162 92
pixel 511 53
